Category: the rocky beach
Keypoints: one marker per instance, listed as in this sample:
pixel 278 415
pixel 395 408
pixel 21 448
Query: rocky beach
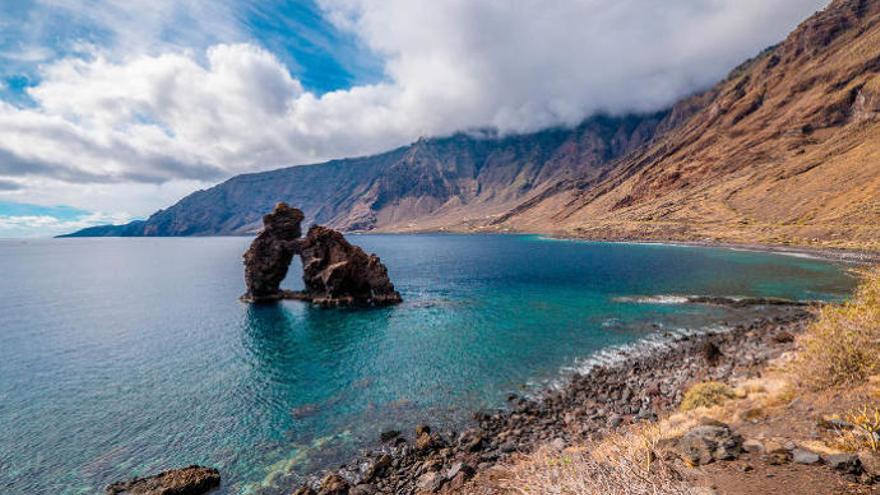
pixel 645 382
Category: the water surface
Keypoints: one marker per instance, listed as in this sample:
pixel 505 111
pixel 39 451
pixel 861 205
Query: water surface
pixel 122 357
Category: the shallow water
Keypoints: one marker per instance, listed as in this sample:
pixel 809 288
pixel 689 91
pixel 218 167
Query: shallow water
pixel 122 357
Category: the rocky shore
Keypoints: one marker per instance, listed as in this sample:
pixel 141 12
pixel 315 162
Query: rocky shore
pixel 644 383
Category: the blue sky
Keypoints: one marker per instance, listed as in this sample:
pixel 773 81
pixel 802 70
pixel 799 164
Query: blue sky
pixel 321 56
pixel 112 109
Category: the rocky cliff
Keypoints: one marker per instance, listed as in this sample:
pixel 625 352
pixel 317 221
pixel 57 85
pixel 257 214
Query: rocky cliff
pixel 785 150
pixel 465 179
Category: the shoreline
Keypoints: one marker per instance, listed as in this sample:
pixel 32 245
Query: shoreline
pixel 645 382
pixel 850 256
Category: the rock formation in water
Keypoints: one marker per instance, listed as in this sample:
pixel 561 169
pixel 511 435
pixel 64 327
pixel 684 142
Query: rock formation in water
pixel 335 272
pixel 192 480
pixel 269 256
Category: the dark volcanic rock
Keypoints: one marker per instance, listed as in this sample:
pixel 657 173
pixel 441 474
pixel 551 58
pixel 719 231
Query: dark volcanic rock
pixel 192 480
pixel 336 272
pixel 267 260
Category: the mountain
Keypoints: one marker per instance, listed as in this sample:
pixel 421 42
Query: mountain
pixel 464 179
pixel 784 150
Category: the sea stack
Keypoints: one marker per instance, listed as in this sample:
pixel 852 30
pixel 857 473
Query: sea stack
pixel 335 272
pixel 269 256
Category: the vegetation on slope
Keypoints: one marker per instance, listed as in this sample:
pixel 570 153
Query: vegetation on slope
pixel 843 346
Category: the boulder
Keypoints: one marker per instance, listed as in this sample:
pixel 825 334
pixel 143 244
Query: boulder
pixel 753 446
pixel 803 456
pixel 267 259
pixel 333 484
pixel 470 440
pixel 336 272
pixel 844 463
pixel 363 489
pixel 870 465
pixel 711 353
pixel 777 454
pixel 387 436
pixel 708 443
pixel 425 442
pixel 192 480
pixel 430 482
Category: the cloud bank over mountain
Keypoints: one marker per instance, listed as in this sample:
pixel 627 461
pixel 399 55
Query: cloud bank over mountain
pixel 138 116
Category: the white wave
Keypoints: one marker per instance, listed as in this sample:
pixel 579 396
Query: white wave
pixel 612 355
pixel 656 299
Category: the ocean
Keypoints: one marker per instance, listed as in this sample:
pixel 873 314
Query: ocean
pixel 124 357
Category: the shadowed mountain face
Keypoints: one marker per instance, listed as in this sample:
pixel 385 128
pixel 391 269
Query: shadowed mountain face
pixel 786 149
pixel 431 184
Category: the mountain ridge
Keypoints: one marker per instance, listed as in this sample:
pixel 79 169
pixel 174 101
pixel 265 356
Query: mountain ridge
pixel 433 178
pixel 786 149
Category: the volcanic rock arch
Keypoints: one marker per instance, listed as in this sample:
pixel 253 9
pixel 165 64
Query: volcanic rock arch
pixel 335 272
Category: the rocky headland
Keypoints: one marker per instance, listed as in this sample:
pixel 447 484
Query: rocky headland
pixel 335 272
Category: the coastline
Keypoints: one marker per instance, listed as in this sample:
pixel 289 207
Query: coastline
pixel 849 256
pixel 643 383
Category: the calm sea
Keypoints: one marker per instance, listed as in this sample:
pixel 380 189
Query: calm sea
pixel 122 357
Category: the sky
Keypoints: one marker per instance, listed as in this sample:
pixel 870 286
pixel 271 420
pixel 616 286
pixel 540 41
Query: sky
pixel 112 109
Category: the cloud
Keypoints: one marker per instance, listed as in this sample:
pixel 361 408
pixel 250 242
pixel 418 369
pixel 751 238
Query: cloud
pixel 47 225
pixel 144 109
pixel 8 185
pixel 28 220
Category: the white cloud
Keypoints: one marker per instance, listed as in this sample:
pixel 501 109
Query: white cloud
pixel 189 117
pixel 47 225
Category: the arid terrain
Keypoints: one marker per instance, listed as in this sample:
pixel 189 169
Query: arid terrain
pixel 786 150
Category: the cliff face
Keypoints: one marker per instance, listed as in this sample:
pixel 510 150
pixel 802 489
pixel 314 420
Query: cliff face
pixel 458 181
pixel 787 149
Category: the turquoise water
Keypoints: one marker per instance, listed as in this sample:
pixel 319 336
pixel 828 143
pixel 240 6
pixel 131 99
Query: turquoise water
pixel 121 357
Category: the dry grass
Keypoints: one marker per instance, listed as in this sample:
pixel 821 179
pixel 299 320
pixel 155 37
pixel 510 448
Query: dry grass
pixel 623 464
pixel 843 346
pixel 706 394
pixel 865 431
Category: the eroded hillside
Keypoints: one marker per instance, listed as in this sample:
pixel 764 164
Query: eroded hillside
pixel 787 149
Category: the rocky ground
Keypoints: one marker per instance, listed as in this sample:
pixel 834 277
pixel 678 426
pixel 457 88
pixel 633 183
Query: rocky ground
pixel 641 386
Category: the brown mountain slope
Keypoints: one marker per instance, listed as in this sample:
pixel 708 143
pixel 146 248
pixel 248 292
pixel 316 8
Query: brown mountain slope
pixel 459 180
pixel 787 149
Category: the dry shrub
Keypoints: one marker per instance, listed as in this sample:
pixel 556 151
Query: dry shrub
pixel 842 347
pixel 708 394
pixel 865 431
pixel 622 464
